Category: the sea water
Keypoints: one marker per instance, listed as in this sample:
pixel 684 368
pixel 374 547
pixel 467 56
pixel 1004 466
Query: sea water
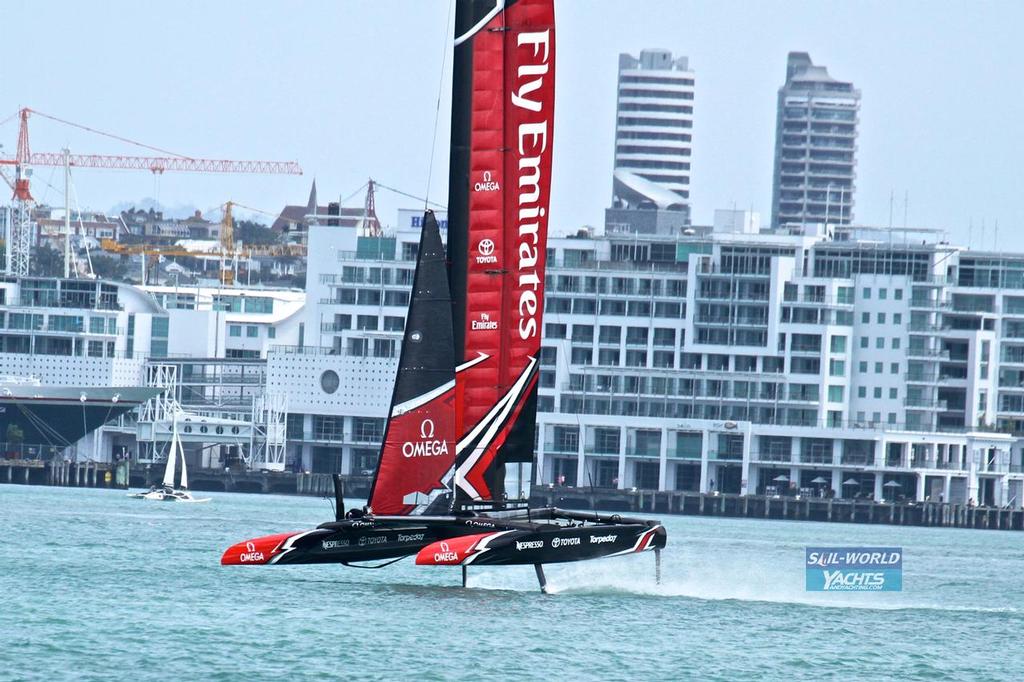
pixel 96 586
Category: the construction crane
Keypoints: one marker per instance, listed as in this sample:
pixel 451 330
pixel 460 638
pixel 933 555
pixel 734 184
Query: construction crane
pixel 371 225
pixel 20 229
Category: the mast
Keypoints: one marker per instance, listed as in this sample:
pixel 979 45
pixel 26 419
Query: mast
pixel 499 187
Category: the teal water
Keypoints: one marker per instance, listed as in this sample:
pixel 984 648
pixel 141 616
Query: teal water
pixel 95 586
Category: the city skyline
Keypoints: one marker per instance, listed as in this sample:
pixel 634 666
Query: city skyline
pixel 379 120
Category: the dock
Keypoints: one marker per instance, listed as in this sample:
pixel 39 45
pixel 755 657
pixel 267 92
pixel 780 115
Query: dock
pixel 124 475
pixel 838 510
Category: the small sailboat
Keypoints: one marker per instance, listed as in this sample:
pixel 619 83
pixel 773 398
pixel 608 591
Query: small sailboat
pixel 166 492
pixel 465 399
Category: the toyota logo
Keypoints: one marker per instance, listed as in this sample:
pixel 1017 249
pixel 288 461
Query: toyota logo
pixel 486 247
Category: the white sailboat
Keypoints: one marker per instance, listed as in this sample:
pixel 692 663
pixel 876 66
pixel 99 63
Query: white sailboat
pixel 166 492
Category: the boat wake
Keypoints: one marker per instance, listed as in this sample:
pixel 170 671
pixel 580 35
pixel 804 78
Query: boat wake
pixel 636 577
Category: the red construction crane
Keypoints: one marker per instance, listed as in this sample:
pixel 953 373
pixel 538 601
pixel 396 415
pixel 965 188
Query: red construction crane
pixel 170 161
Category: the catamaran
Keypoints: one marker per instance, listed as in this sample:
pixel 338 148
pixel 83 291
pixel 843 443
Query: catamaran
pixel 465 398
pixel 166 491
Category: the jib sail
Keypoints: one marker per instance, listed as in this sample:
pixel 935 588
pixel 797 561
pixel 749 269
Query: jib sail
pixel 418 452
pixel 502 116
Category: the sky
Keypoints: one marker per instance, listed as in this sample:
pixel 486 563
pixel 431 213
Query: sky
pixel 349 89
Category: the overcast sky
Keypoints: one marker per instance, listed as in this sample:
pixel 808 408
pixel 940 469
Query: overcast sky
pixel 348 89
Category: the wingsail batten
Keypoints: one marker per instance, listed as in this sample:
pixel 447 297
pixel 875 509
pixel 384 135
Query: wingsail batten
pixel 418 451
pixel 503 110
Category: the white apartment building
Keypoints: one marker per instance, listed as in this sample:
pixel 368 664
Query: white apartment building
pixel 653 130
pixel 735 362
pixel 230 322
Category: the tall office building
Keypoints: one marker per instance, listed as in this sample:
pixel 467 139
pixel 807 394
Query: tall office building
pixel 815 146
pixel 653 141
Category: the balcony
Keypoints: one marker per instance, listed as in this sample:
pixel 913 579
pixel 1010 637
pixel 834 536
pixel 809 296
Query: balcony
pixel 929 304
pixel 561 448
pixel 928 353
pixel 771 457
pixel 926 404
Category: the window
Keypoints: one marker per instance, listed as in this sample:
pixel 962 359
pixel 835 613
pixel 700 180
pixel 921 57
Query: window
pixel 608 357
pixel 878 368
pixel 877 393
pixel 582 333
pixel 862 392
pixel 368 297
pixel 897 318
pixel 835 394
pixel 892 417
pixel 862 366
pixel 636 358
pixel 894 368
pixel 864 341
pixel 358 347
pixel 895 343
pixel 865 318
pixel 838 344
pixel 393 323
pixel 252 331
pixel 881 318
pixel 866 293
pixel 664 337
pixel 383 348
pixel 397 298
pixel 880 342
pixel 663 358
pixel 883 294
pixel 235 330
pixel 366 322
pixel 96 325
pixel 636 336
pixel 897 294
pixel 876 417
pixel 610 334
pixel 582 356
pixel 893 392
pixel 837 368
pixel 555 331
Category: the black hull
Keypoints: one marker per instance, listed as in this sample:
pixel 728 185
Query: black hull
pixel 61 416
pixel 542 536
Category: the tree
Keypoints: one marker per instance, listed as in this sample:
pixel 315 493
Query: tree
pixel 47 262
pixel 252 232
pixel 109 267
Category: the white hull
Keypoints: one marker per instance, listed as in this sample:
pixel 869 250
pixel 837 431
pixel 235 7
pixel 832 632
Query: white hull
pixel 168 496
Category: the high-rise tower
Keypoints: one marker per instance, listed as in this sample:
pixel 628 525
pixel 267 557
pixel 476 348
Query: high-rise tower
pixel 815 146
pixel 653 141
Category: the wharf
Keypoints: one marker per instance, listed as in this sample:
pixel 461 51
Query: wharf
pixel 779 507
pixel 86 474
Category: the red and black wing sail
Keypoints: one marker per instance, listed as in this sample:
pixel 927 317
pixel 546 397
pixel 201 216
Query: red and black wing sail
pixel 502 118
pixel 418 453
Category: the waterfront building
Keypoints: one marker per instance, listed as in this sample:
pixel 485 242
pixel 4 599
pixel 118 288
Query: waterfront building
pixel 815 146
pixel 230 322
pixel 653 144
pixel 719 361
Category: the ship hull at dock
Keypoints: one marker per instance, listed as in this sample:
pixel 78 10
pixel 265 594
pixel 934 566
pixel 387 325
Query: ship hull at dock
pixel 60 416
